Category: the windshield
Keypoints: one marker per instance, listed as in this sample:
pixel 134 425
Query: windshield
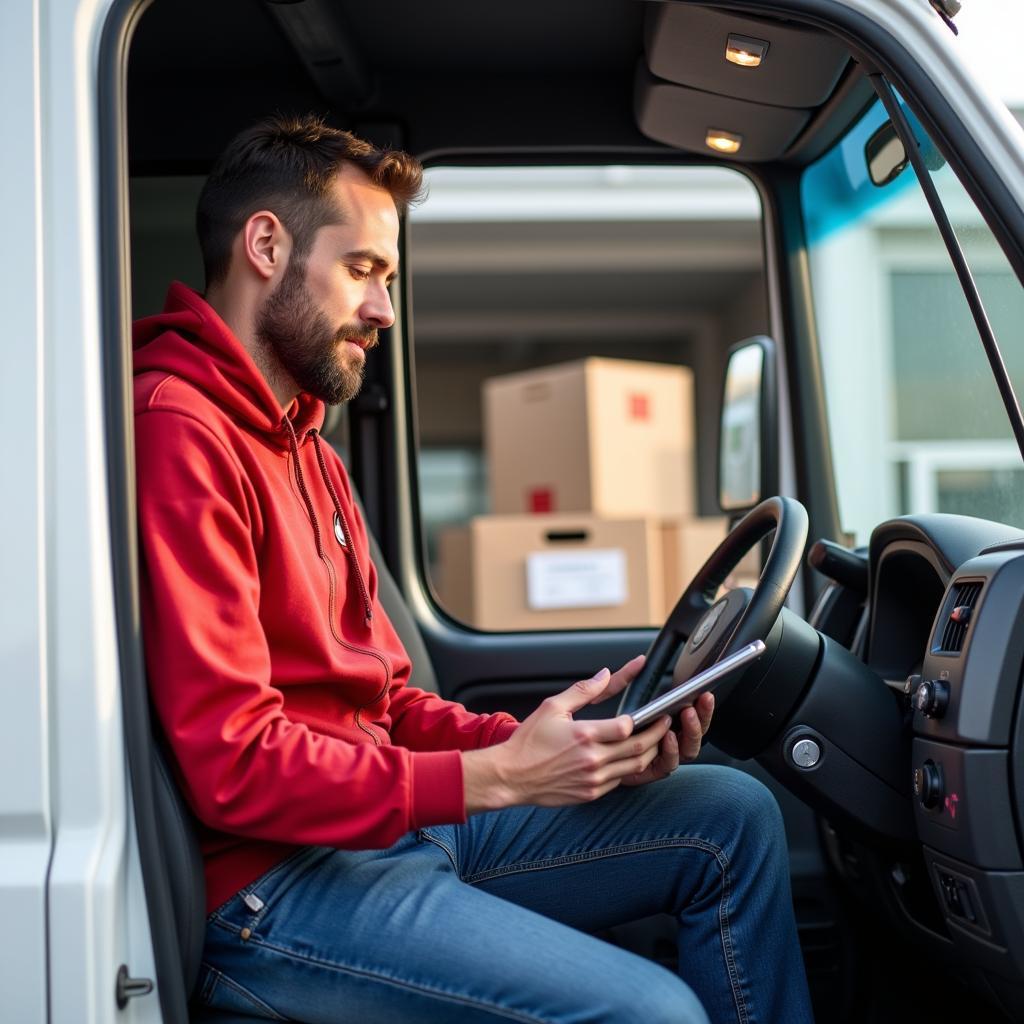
pixel 916 421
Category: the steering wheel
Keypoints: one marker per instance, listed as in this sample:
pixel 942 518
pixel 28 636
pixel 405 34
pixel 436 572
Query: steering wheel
pixel 707 629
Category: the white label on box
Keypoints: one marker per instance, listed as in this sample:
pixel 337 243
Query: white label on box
pixel 576 579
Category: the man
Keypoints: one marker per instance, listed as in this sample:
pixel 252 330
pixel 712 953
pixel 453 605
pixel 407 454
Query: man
pixel 373 852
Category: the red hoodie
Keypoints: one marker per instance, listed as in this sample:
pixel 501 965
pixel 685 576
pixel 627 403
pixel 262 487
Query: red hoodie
pixel 279 681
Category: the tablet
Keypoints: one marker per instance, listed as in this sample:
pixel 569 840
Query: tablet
pixel 683 695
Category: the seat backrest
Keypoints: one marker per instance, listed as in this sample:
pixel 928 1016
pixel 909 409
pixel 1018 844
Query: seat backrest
pixel 405 625
pixel 184 864
pixel 177 824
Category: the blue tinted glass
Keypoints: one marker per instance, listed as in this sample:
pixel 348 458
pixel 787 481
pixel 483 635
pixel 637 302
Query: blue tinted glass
pixel 915 419
pixel 837 190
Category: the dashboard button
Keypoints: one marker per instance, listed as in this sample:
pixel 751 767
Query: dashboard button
pixel 806 753
pixel 956 893
pixel 931 697
pixel 928 784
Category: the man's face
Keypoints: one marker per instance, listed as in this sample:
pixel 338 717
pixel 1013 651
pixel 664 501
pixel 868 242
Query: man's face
pixel 327 309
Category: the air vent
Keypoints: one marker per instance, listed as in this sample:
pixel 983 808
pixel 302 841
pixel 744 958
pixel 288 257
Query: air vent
pixel 958 611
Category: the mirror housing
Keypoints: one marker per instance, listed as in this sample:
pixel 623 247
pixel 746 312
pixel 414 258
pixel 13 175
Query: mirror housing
pixel 747 448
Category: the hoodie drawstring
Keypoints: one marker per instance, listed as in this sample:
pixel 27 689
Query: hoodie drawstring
pixel 303 490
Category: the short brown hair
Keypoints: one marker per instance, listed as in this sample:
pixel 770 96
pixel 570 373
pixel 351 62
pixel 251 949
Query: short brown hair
pixel 286 164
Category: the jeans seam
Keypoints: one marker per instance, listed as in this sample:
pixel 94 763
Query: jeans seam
pixel 524 867
pixel 209 985
pixel 225 981
pixel 384 979
pixel 444 846
pixel 724 930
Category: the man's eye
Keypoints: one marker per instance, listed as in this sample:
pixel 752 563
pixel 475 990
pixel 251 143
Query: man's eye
pixel 359 273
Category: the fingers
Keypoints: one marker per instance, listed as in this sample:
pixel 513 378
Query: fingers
pixel 580 694
pixel 667 760
pixel 606 730
pixel 625 675
pixel 624 755
pixel 690 734
pixel 600 686
pixel 705 709
pixel 634 768
pixel 639 743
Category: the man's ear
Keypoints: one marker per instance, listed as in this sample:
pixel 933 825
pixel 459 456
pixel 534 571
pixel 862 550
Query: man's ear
pixel 266 244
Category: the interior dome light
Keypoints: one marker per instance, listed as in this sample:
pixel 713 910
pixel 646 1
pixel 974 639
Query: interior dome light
pixel 745 51
pixel 723 142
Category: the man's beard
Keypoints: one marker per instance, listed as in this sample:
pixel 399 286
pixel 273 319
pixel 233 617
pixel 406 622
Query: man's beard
pixel 300 336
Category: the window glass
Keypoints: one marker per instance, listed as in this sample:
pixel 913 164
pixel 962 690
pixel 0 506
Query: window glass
pixel 570 329
pixel 916 420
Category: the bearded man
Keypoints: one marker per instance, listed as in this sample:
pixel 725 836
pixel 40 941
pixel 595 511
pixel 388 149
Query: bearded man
pixel 373 852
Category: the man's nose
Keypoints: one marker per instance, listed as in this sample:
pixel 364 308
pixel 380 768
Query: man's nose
pixel 377 309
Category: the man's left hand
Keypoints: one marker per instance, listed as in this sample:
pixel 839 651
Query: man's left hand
pixel 676 748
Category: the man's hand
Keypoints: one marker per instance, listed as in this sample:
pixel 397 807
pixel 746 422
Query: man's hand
pixel 552 759
pixel 681 746
pixel 675 748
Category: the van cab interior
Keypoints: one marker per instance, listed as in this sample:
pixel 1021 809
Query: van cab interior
pixel 706 186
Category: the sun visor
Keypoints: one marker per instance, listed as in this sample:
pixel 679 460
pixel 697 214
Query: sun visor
pixel 686 118
pixel 774 62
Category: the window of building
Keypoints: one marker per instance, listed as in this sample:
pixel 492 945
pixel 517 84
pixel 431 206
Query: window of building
pixel 916 420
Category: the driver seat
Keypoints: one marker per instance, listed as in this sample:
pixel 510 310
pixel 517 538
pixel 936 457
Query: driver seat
pixel 176 823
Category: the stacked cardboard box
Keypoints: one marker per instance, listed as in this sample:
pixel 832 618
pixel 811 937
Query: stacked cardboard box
pixel 608 436
pixel 592 488
pixel 565 571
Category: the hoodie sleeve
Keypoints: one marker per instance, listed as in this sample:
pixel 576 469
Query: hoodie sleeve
pixel 424 721
pixel 246 767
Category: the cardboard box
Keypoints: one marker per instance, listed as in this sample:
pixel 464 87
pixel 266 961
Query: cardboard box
pixel 686 546
pixel 609 436
pixel 552 572
pixel 569 571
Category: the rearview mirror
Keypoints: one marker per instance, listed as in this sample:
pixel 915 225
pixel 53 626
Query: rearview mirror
pixel 746 439
pixel 885 154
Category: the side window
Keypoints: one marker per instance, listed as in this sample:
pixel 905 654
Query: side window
pixel 916 421
pixel 570 331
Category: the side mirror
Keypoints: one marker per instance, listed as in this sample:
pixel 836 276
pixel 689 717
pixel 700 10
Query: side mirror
pixel 885 155
pixel 747 433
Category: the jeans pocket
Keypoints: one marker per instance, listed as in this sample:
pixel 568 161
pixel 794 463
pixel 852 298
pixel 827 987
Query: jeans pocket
pixel 221 992
pixel 206 983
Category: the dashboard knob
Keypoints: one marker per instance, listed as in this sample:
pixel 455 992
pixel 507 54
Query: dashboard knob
pixel 806 752
pixel 928 784
pixel 931 698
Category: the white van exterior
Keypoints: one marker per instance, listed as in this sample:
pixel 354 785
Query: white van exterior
pixel 72 907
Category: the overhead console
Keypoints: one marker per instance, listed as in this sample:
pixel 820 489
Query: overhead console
pixel 713 81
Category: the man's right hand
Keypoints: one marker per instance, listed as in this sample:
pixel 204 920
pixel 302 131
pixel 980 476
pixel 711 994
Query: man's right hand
pixel 552 759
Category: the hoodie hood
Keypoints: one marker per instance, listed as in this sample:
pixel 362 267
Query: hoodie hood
pixel 190 341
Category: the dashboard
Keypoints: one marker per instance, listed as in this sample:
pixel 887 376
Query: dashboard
pixel 940 620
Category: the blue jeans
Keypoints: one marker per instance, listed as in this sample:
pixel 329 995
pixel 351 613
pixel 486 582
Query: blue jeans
pixel 487 921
